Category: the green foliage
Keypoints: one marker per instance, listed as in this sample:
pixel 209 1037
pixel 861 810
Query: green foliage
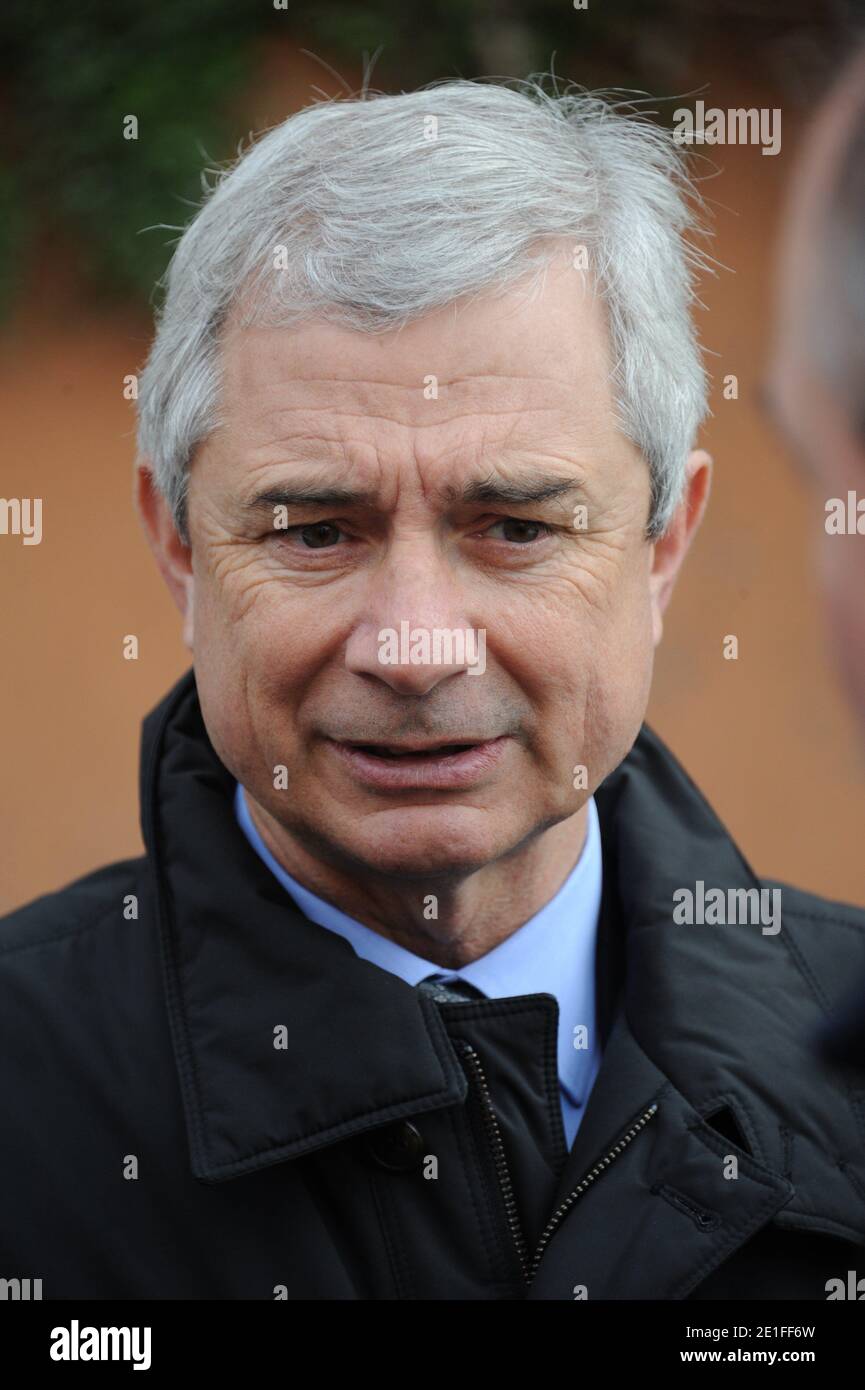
pixel 76 70
pixel 13 223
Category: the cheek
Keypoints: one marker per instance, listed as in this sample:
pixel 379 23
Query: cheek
pixel 587 667
pixel 253 653
pixel 621 664
pixel 257 630
pixel 218 663
pixel 619 634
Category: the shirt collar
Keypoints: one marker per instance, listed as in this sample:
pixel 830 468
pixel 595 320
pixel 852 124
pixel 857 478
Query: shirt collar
pixel 552 953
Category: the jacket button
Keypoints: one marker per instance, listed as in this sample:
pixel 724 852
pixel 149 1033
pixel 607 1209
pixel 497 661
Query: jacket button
pixel 398 1147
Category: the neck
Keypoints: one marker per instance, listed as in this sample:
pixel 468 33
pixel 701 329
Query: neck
pixel 472 914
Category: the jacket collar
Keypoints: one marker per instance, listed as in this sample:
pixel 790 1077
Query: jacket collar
pixel 285 1040
pixel 676 1215
pixel 714 1016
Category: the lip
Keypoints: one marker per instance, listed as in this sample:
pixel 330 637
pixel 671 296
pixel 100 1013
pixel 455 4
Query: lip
pixel 426 772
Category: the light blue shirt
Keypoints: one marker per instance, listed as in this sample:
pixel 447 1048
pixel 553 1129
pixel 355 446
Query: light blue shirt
pixel 552 953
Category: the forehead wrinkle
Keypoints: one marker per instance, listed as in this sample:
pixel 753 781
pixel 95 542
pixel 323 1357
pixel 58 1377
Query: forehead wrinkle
pixel 480 456
pixel 480 394
pixel 466 417
pixel 473 433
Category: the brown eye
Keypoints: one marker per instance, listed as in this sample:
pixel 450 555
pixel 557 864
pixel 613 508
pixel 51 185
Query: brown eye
pixel 320 535
pixel 518 531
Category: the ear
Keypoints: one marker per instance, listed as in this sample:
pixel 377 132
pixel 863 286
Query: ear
pixel 173 556
pixel 670 550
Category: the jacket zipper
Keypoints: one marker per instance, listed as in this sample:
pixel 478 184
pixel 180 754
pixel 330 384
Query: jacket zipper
pixel 529 1268
pixel 586 1182
pixel 494 1133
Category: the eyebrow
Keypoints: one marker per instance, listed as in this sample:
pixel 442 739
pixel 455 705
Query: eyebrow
pixel 533 488
pixel 283 495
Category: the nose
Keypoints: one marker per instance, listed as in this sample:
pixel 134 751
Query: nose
pixel 413 632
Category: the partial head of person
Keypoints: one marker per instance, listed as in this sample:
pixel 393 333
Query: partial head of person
pixel 426 385
pixel 817 389
pixel 817 379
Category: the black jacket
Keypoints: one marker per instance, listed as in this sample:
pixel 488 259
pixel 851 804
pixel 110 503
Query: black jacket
pixel 158 1144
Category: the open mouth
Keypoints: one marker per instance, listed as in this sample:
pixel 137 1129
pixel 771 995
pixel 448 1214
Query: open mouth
pixel 440 750
pixel 434 767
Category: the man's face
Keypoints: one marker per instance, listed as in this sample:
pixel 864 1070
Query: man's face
pixel 420 522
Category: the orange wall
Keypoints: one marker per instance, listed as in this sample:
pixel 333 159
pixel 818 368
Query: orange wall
pixel 767 737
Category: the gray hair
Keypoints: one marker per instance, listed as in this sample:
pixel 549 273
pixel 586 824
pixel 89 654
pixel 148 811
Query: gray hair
pixel 382 214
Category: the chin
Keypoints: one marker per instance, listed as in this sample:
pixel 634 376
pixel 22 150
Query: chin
pixel 426 842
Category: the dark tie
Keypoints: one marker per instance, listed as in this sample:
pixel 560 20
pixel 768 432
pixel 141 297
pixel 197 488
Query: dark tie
pixel 454 992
